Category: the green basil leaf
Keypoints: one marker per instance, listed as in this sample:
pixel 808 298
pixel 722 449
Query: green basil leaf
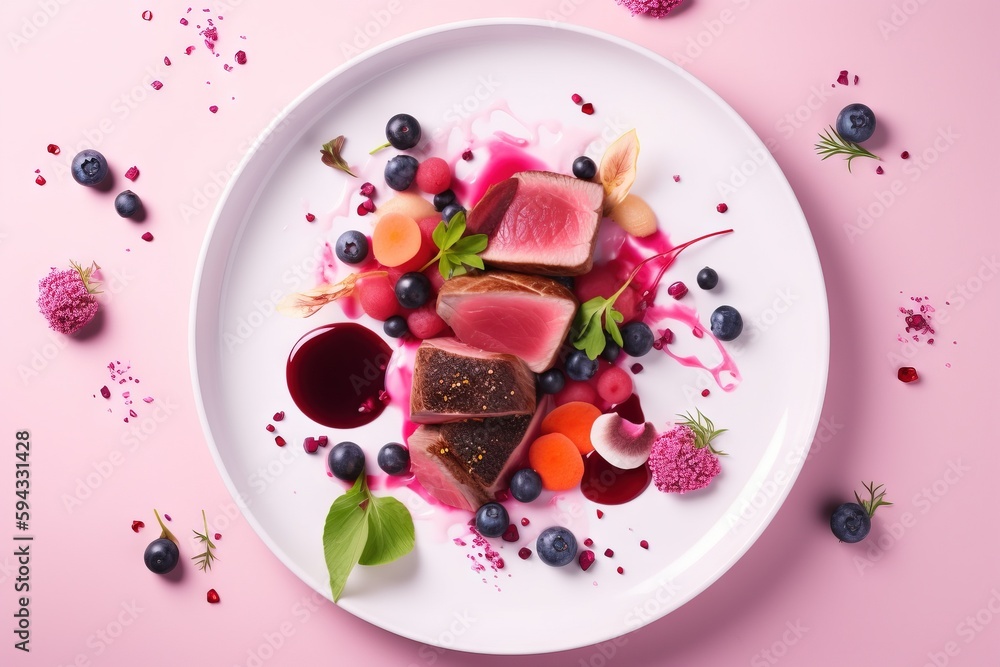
pixel 455 230
pixel 345 535
pixel 473 245
pixel 390 531
pixel 475 261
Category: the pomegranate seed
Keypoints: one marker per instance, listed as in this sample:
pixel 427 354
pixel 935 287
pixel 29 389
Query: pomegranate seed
pixel 310 217
pixel 467 155
pixel 586 559
pixel 147 15
pixel 369 205
pixel 189 49
pixel 588 109
pixel 367 190
pixel 362 210
pixel 576 99
pixel 600 514
pixel 677 178
pixel 156 85
pixel 213 108
pixel 644 544
pixel 879 170
pixel 907 374
pixel 524 521
pixel 137 525
pixel 218 536
pixel 677 289
pixel 105 392
pixel 269 428
pixel 524 553
pixel 213 597
pixel 842 79
pixel 609 553
pixel 322 440
pixel 52 148
pixel 905 155
pixel 278 416
pixel 241 58
pixel 621 570
pixel 167 517
pixel 166 61
pixel 722 208
pixel 279 441
pixel 667 336
pixel 635 368
pixel 511 534
pixel 40 179
pixel 588 542
pixel 147 237
pixel 184 21
pixel 132 173
pixel 856 79
pixel 310 445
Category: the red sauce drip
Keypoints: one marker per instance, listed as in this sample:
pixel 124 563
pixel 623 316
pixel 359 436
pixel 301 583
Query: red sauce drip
pixel 505 161
pixel 336 374
pixel 605 484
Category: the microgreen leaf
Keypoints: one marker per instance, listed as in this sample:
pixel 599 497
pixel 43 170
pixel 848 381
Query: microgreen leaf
pixel 205 558
pixel 831 143
pixel 455 251
pixel 331 155
pixel 390 532
pixel 704 430
pixel 876 498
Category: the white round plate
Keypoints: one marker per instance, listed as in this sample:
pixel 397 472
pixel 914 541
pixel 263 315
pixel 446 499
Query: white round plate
pixel 260 248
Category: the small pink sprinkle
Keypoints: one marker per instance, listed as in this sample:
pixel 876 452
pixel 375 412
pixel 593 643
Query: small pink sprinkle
pixel 147 237
pixel 576 99
pixel 184 21
pixel 600 514
pixel 156 85
pixel 188 50
pixel 167 517
pixel 609 553
pixel 40 179
pixel 241 58
pixel 213 108
pixel 147 15
pixel 166 61
pixel 722 208
pixel 588 109
pixel 147 399
pixel 132 173
pixel 856 79
pixel 269 428
pixel 644 544
pixel 905 155
pixel 467 155
pixel 879 170
pixel 218 536
pixel 310 217
pixel 677 178
pixel 842 79
pixel 621 570
pixel 705 392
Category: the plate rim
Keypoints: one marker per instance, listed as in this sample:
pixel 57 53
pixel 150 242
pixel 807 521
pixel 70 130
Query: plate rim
pixel 212 228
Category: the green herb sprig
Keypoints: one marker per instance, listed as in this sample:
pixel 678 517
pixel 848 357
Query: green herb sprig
pixel 456 252
pixel 876 498
pixel 364 529
pixel 704 431
pixel 331 155
pixel 598 315
pixel 831 143
pixel 207 557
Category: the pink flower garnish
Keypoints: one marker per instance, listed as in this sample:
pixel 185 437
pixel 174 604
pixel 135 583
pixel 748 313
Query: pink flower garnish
pixel 678 466
pixel 66 298
pixel 655 8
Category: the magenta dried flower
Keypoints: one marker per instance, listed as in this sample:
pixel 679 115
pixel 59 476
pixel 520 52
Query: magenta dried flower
pixel 655 8
pixel 66 298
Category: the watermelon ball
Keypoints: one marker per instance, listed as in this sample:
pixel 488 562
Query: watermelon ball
pixel 433 176
pixel 614 385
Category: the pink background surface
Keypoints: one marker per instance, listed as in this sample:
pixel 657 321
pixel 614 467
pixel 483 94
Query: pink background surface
pixel 923 589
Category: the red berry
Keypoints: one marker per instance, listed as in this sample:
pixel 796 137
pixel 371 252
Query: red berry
pixel 907 374
pixel 213 597
pixel 905 155
pixel 614 385
pixel 576 99
pixel 524 553
pixel 433 176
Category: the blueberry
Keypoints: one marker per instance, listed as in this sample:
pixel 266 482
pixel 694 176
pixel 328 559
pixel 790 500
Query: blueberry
pixel 551 381
pixel 161 555
pixel 579 366
pixel 442 199
pixel 637 339
pixel 394 459
pixel 856 123
pixel 400 172
pixel 525 485
pixel 413 289
pixel 566 281
pixel 347 461
pixel 727 323
pixel 451 210
pixel 556 546
pixel 395 327
pixel 708 278
pixel 352 247
pixel 850 523
pixel 403 132
pixel 584 168
pixel 492 520
pixel 611 349
pixel 89 168
pixel 127 204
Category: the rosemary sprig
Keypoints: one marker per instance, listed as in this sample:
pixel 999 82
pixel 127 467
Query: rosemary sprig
pixel 704 431
pixel 877 494
pixel 205 558
pixel 831 143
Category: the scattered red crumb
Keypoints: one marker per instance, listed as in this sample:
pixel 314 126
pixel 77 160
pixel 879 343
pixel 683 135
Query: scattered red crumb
pixel 147 399
pixel 600 514
pixel 524 521
pixel 52 148
pixel 588 542
pixel 644 544
pixel 147 15
pixel 621 570
pixel 842 79
pixel 241 58
pixel 213 597
pixel 156 85
pixel 105 392
pixel 918 321
pixel 635 368
pixel 577 99
pixel 856 79
pixel 362 210
pixel 310 217
pixel 166 61
pixel 586 559
pixel 269 428
pixel 705 392
pixel 184 21
pixel 511 534
pixel 132 173
pixel 367 189
pixel 217 536
pixel 213 108
pixel 905 155
pixel 907 374
pixel 188 50
pixel 137 526
pixel 278 416
pixel 588 109
pixel 227 67
pixel 131 413
pixel 608 553
pixel 147 237
pixel 666 338
pixel 467 155
pixel 524 553
pixel 369 205
pixel 279 441
pixel 722 208
pixel 879 170
pixel 677 178
pixel 40 179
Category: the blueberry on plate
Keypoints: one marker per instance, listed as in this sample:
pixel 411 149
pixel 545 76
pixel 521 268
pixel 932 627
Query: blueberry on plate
pixel 584 168
pixel 492 520
pixel 637 339
pixel 395 327
pixel 442 199
pixel 413 289
pixel 394 459
pixel 551 381
pixel 856 123
pixel 556 546
pixel 352 247
pixel 726 322
pixel 611 349
pixel 347 461
pixel 708 278
pixel 525 485
pixel 402 131
pixel 127 204
pixel 161 555
pixel 451 210
pixel 579 366
pixel 400 172
pixel 89 168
